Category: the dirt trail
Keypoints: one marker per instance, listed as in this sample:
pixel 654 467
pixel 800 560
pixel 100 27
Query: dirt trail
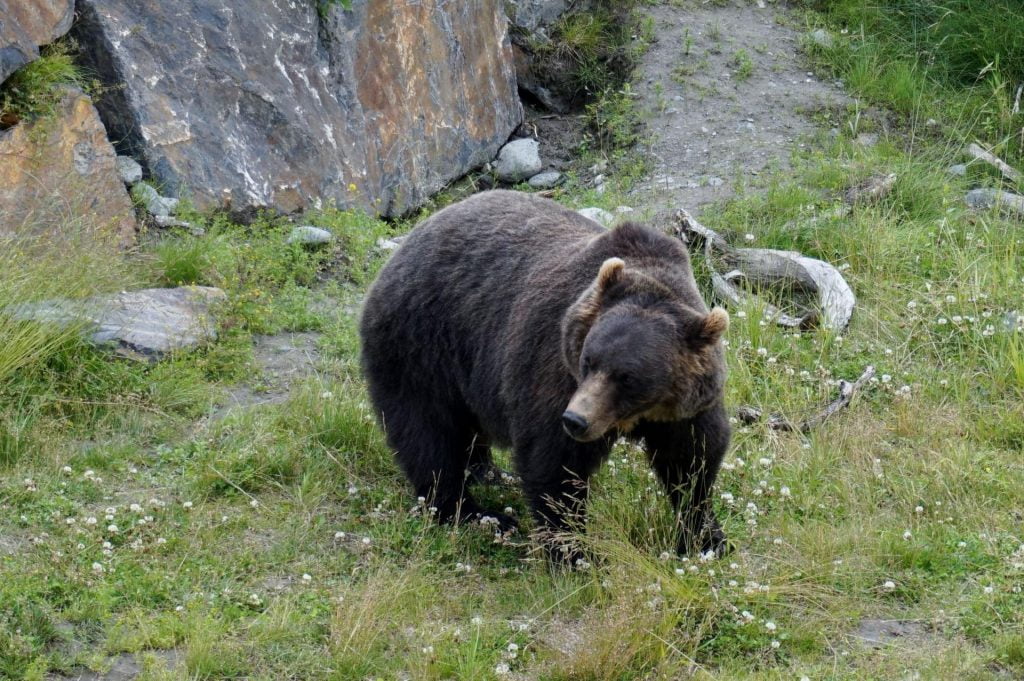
pixel 729 96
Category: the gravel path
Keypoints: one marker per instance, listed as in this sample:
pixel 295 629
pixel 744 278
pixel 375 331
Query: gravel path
pixel 730 97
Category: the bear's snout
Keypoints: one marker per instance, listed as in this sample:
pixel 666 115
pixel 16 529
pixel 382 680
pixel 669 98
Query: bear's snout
pixel 574 424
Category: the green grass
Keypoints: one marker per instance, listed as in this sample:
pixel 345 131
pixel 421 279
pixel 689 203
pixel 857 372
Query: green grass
pixel 281 541
pixel 36 88
pixel 958 62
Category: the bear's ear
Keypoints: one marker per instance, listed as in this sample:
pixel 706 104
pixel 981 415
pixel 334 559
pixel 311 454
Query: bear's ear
pixel 711 328
pixel 610 272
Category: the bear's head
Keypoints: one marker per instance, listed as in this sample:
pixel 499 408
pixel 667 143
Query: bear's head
pixel 638 352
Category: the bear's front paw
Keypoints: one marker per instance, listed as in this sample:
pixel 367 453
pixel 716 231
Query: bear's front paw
pixel 710 539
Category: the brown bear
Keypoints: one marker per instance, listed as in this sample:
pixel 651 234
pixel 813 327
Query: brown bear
pixel 508 320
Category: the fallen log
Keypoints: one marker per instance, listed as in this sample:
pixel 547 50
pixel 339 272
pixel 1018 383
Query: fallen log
pixel 769 267
pixel 976 152
pixel 750 415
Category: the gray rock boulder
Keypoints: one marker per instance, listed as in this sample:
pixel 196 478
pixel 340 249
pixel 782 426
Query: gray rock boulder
pixel 1008 203
pixel 530 15
pixel 518 160
pixel 374 106
pixel 157 205
pixel 598 215
pixel 64 166
pixel 310 236
pixel 25 25
pixel 129 170
pixel 144 324
pixel 821 37
pixel 547 180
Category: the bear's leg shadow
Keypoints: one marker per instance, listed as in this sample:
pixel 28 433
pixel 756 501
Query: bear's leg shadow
pixel 434 445
pixel 686 456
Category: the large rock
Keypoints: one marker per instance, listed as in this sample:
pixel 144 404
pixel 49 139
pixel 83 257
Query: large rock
pixel 144 324
pixel 27 24
pixel 530 15
pixel 268 104
pixel 59 175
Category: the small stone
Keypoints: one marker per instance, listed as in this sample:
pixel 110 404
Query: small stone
pixel 129 170
pixel 310 236
pixel 152 201
pixel 958 170
pixel 518 160
pixel 165 221
pixel 1009 203
pixel 547 180
pixel 387 244
pixel 867 139
pixel 622 210
pixel 598 215
pixel 821 37
pixel 715 181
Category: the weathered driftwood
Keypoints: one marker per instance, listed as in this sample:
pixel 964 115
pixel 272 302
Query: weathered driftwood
pixel 768 267
pixel 751 415
pixel 975 151
pixel 872 190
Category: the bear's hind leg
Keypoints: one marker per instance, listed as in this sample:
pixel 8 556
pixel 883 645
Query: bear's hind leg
pixel 434 447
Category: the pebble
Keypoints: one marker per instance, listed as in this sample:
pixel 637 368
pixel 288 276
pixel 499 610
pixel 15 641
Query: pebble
pixel 518 160
pixel 598 215
pixel 129 170
pixel 310 235
pixel 546 180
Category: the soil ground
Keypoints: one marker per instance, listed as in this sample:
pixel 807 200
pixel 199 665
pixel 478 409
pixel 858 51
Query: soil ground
pixel 729 97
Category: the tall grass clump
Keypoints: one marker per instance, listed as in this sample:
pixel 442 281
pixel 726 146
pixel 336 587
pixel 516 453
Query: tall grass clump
pixel 959 62
pixel 36 88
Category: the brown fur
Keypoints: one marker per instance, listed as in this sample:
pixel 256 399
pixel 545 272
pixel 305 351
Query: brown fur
pixel 504 312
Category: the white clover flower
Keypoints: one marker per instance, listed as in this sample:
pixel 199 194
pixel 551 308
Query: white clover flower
pixel 748 236
pixel 187 504
pixel 161 540
pixel 135 508
pixel 769 625
pixel 89 474
pixel 912 304
pixel 889 585
pixel 942 321
pixel 107 545
pixel 988 589
pixel 775 644
pixel 762 352
pixel 907 535
pixel 747 616
pixel 339 535
pixel 353 490
pixel 367 540
pixel 112 528
pixel 741 314
pixel 886 378
pixel 91 520
pixel 66 469
pixel 784 492
pixel 919 509
pixel 501 668
pixel 307 578
pixel 476 620
pixel 97 567
pixel 950 299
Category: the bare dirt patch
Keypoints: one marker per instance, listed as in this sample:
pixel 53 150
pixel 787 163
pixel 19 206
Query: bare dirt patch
pixel 281 361
pixel 729 96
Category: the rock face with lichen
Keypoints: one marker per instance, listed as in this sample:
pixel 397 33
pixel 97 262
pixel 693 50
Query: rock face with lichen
pixel 276 104
pixel 58 176
pixel 25 25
